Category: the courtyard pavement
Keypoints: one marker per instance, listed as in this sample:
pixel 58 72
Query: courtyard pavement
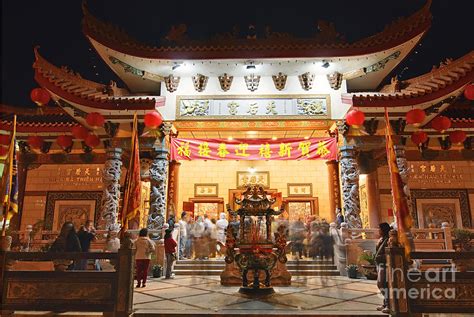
pixel 332 295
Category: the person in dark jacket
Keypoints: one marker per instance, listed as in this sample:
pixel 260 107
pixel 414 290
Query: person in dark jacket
pixel 67 241
pixel 86 235
pixel 170 252
pixel 380 259
pixel 171 221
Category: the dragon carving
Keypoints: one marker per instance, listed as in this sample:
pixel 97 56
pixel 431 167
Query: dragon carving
pixel 158 180
pixel 111 194
pixel 350 191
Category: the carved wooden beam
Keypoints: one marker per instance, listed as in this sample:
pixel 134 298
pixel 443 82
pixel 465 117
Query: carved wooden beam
pixel 111 128
pixel 45 147
pixel 398 125
pixel 306 80
pixel 200 82
pixel 225 81
pixel 24 147
pixel 252 81
pixel 279 81
pixel 171 83
pixel 468 143
pixel 371 126
pixel 335 80
pixel 445 143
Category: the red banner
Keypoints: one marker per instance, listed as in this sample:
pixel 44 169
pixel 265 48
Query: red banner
pixel 254 149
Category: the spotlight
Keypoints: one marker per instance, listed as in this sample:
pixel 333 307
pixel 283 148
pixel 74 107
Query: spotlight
pixel 176 66
pixel 274 138
pixel 230 138
pixel 250 65
pixel 252 170
pixel 325 64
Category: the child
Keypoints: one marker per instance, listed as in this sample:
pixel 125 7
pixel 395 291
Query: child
pixel 170 250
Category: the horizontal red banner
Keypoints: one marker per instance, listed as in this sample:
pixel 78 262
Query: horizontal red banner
pixel 254 149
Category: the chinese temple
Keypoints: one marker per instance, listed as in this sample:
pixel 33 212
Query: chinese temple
pixel 304 118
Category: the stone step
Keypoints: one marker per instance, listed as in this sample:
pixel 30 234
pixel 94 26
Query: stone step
pixel 325 272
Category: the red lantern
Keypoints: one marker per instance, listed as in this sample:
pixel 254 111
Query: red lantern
pixel 355 117
pixel 80 132
pixel 95 120
pixel 153 120
pixel 4 139
pixel 3 151
pixel 469 92
pixel 419 137
pixel 92 140
pixel 441 123
pixel 457 136
pixel 40 96
pixel 64 141
pixel 36 142
pixel 415 117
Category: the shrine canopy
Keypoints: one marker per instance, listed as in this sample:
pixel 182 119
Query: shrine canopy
pixel 254 149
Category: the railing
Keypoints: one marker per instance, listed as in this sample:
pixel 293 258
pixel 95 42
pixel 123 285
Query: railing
pixel 351 242
pixel 110 292
pixel 413 291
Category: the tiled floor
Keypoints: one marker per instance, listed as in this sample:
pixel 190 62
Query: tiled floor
pixel 307 296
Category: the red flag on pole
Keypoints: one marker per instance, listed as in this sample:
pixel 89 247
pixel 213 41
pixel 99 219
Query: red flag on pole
pixel 400 199
pixel 131 203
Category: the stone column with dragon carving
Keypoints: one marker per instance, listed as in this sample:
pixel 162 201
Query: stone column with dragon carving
pixel 111 191
pixel 159 180
pixel 350 186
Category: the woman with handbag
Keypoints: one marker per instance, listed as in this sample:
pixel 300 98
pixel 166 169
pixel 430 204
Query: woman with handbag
pixel 144 248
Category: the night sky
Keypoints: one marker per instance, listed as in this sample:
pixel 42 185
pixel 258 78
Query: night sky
pixel 56 27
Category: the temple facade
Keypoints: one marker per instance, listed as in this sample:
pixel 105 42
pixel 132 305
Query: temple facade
pixel 237 110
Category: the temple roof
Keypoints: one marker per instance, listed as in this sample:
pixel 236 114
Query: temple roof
pixel 450 77
pixel 71 87
pixel 36 120
pixel 327 43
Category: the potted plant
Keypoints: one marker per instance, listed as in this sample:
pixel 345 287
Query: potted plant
pixel 352 270
pixel 463 243
pixel 156 270
pixel 369 267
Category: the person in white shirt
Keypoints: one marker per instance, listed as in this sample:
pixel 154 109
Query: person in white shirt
pixel 212 238
pixel 198 233
pixel 221 225
pixel 144 248
pixel 207 221
pixel 183 234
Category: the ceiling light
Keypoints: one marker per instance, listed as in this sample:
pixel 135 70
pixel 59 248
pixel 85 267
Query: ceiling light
pixel 250 65
pixel 306 137
pixel 274 138
pixel 325 64
pixel 230 138
pixel 252 170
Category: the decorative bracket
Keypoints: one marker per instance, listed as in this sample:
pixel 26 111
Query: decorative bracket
pixel 171 83
pixel 445 143
pixel 335 80
pixel 343 127
pixel 252 81
pixel 200 82
pixel 45 147
pixel 225 81
pixel 306 80
pixel 371 126
pixel 398 126
pixel 468 143
pixel 68 149
pixel 24 147
pixel 111 128
pixel 279 81
pixel 86 148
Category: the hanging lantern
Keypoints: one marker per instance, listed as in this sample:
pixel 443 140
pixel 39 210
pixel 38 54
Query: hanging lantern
pixel 441 123
pixel 80 132
pixel 4 139
pixel 457 136
pixel 419 137
pixel 355 118
pixel 3 151
pixel 95 120
pixel 40 96
pixel 153 120
pixel 64 141
pixel 35 141
pixel 92 140
pixel 469 92
pixel 415 117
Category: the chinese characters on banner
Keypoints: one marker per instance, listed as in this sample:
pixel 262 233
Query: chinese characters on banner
pixel 254 149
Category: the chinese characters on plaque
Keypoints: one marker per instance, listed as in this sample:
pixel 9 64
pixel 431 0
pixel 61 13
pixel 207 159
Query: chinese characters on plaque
pixel 261 108
pixel 78 175
pixel 423 173
pixel 206 190
pixel 253 178
pixel 300 189
pixel 254 149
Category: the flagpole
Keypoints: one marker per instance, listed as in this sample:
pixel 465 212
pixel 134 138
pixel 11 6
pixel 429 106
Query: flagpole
pixel 6 204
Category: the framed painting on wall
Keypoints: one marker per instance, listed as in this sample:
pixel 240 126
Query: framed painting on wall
pixel 305 189
pixel 206 190
pixel 245 179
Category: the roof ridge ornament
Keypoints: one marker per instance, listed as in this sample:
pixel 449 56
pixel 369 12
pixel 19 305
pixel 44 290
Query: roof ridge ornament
pixel 279 81
pixel 306 80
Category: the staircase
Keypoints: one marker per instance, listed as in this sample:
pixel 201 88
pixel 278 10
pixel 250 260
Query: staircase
pixel 296 268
